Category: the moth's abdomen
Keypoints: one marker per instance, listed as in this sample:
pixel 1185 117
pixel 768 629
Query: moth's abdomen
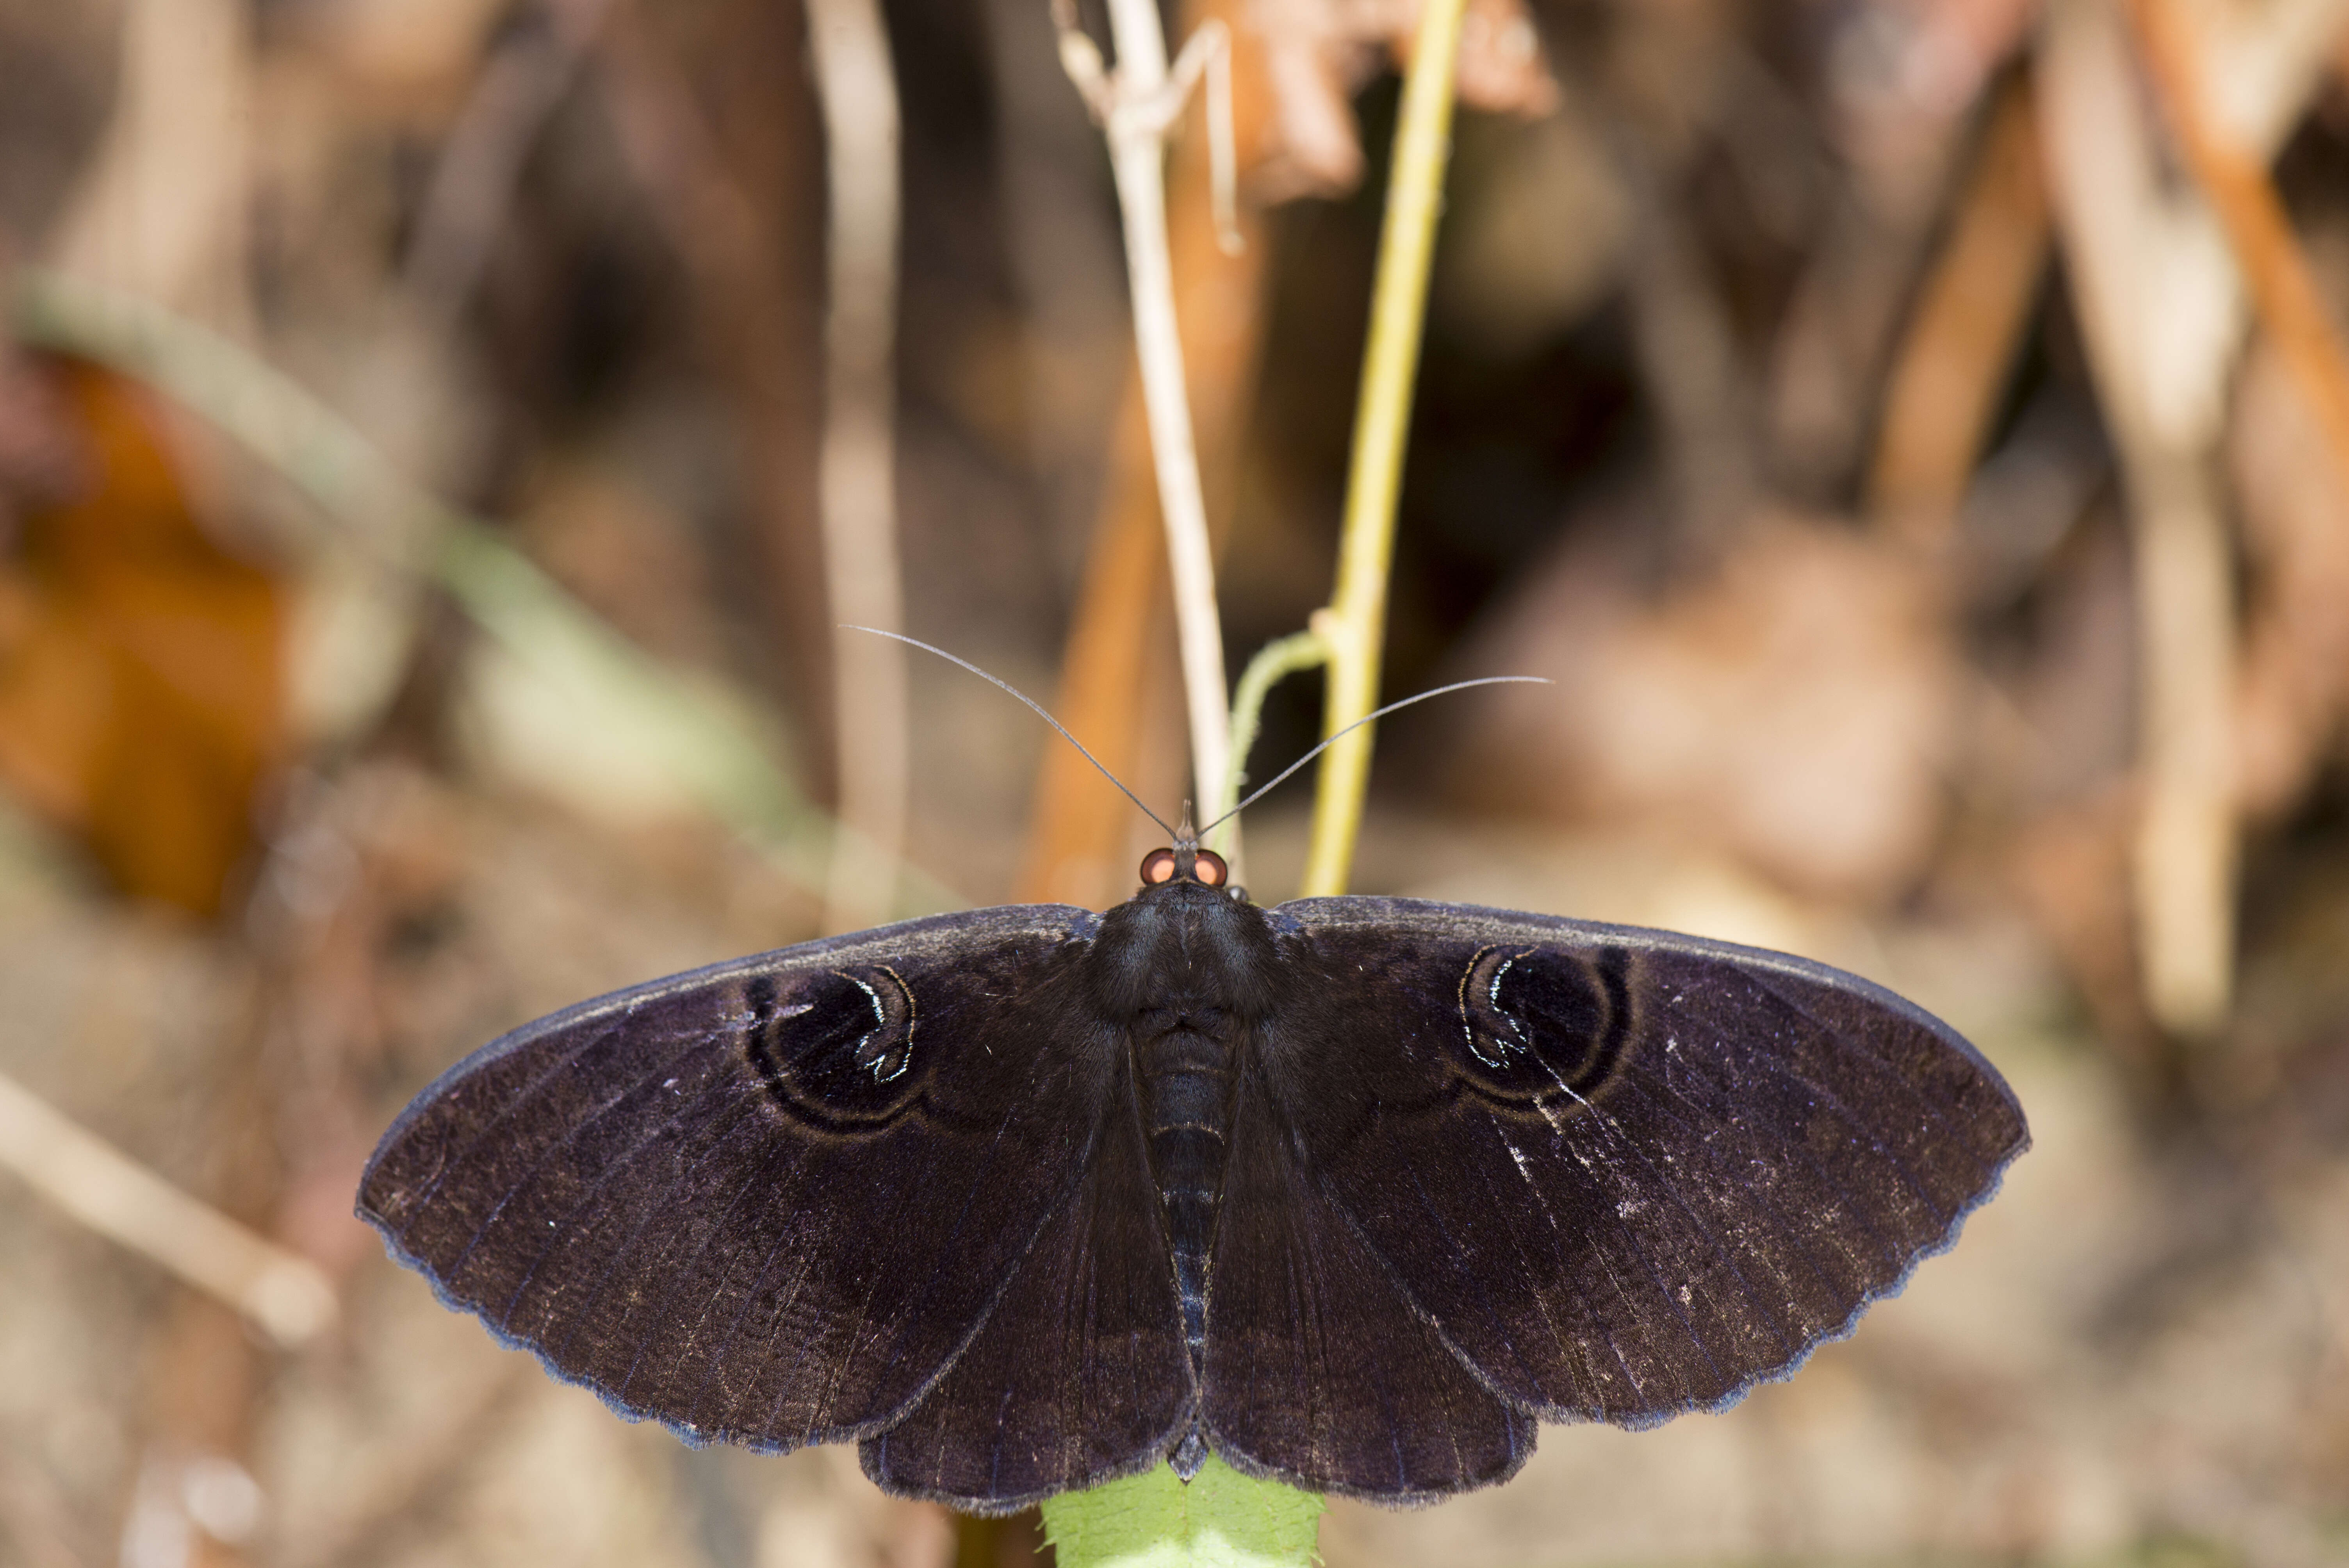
pixel 1186 1070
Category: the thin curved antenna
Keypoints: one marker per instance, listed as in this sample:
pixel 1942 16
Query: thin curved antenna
pixel 1257 794
pixel 1056 723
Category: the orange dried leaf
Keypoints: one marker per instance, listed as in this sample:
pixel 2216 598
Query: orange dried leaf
pixel 1966 330
pixel 141 680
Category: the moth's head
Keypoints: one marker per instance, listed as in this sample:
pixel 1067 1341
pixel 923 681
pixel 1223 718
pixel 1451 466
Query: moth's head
pixel 1187 865
pixel 1185 862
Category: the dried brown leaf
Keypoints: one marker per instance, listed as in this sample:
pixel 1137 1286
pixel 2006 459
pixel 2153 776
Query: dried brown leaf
pixel 141 686
pixel 1317 54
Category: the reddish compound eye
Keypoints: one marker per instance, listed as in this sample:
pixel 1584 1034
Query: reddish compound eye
pixel 1157 867
pixel 1210 869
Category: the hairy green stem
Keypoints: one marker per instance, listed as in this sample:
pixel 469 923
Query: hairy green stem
pixel 1273 662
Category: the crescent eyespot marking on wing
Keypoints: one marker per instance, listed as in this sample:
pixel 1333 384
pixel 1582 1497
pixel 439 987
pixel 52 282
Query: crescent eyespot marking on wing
pixel 1508 1048
pixel 905 1049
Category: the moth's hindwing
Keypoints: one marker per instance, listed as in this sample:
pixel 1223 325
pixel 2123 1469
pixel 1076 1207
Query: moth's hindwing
pixel 1080 1374
pixel 1318 1372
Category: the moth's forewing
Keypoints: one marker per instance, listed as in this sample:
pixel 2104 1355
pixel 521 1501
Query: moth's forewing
pixel 1626 1174
pixel 767 1202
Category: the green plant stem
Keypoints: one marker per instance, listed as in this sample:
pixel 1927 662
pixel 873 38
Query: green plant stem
pixel 1273 662
pixel 1354 625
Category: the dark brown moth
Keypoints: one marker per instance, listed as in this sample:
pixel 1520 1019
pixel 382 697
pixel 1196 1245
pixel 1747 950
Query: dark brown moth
pixel 1352 1192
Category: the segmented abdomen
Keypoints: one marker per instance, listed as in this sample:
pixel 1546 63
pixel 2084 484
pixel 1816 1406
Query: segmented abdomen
pixel 1186 1075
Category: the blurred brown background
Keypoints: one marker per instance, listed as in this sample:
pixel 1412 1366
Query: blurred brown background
pixel 1912 433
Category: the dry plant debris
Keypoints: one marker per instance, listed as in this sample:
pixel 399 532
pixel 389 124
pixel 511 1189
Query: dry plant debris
pixel 1816 391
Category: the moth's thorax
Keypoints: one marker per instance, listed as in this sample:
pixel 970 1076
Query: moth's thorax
pixel 1183 946
pixel 1186 971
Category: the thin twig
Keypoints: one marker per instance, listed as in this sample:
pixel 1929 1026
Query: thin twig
pixel 1960 348
pixel 2160 314
pixel 2282 284
pixel 1116 639
pixel 1137 105
pixel 123 1201
pixel 1354 624
pixel 482 161
pixel 857 468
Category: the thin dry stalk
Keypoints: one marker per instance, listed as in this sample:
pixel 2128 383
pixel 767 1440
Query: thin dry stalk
pixel 856 465
pixel 1969 325
pixel 2160 315
pixel 285 1295
pixel 473 181
pixel 1137 105
pixel 2234 180
pixel 1079 827
pixel 162 209
pixel 2187 851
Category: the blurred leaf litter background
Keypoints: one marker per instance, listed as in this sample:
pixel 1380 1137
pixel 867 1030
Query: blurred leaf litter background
pixel 1913 434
